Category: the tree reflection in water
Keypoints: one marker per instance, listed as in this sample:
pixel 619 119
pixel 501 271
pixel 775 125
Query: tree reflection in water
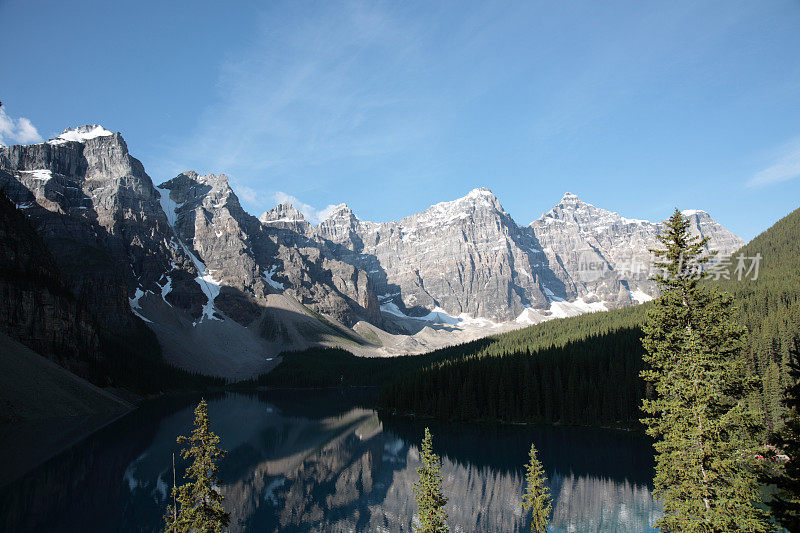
pixel 313 461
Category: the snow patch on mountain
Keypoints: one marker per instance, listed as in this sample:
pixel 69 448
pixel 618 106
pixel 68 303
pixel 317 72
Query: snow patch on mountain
pixel 338 211
pixel 267 275
pixel 166 289
pixel 392 309
pixel 440 316
pixel 135 306
pixel 169 206
pixel 207 283
pixel 559 308
pixel 277 220
pixel 211 289
pixel 578 307
pixel 640 296
pixel 551 295
pixel 572 210
pixel 39 174
pixel 446 213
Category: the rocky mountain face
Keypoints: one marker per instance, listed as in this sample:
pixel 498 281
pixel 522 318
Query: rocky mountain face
pixel 98 213
pixel 601 256
pixel 468 259
pixel 35 307
pixel 180 257
pixel 248 260
pixel 202 273
pixel 285 216
pixel 213 229
pixel 463 257
pixel 719 239
pixel 100 219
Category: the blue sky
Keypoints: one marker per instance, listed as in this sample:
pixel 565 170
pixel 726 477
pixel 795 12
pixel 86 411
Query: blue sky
pixel 637 107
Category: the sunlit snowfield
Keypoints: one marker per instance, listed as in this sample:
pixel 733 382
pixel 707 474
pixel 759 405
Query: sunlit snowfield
pixel 316 461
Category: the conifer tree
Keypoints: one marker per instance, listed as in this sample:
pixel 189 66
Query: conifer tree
pixel 537 495
pixel 199 502
pixel 786 502
pixel 428 490
pixel 700 417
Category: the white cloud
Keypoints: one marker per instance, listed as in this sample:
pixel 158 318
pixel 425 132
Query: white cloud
pixel 17 131
pixel 312 87
pixel 248 194
pixel 312 214
pixel 26 131
pixel 785 168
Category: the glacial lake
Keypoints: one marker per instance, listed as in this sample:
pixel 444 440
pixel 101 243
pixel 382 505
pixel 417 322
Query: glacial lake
pixel 318 460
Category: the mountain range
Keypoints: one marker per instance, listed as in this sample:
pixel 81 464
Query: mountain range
pixel 226 292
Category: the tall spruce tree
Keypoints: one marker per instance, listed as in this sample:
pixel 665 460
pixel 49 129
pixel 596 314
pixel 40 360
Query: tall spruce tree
pixel 199 502
pixel 786 502
pixel 428 490
pixel 704 429
pixel 537 498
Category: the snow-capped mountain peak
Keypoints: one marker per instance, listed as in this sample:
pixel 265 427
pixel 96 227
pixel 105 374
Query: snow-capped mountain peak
pixel 694 212
pixel 283 212
pixel 341 211
pixel 462 208
pixel 571 209
pixel 81 134
pixel 569 198
pixel 480 192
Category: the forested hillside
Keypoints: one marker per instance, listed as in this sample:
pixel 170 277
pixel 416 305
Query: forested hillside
pixel 331 367
pixel 328 367
pixel 585 369
pixel 590 381
pixel 770 308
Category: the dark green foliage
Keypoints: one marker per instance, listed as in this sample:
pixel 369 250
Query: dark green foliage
pixel 705 430
pixel 537 498
pixel 769 308
pixel 587 382
pixel 428 491
pixel 135 362
pixel 332 367
pixel 582 371
pixel 199 502
pixel 560 332
pixel 786 502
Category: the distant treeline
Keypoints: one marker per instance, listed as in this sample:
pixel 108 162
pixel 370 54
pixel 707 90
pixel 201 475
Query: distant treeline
pixel 769 308
pixel 592 381
pixel 134 361
pixel 332 367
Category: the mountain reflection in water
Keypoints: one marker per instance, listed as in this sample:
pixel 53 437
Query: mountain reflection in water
pixel 307 461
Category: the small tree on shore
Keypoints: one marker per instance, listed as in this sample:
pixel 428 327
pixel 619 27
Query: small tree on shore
pixel 428 490
pixel 537 498
pixel 199 502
